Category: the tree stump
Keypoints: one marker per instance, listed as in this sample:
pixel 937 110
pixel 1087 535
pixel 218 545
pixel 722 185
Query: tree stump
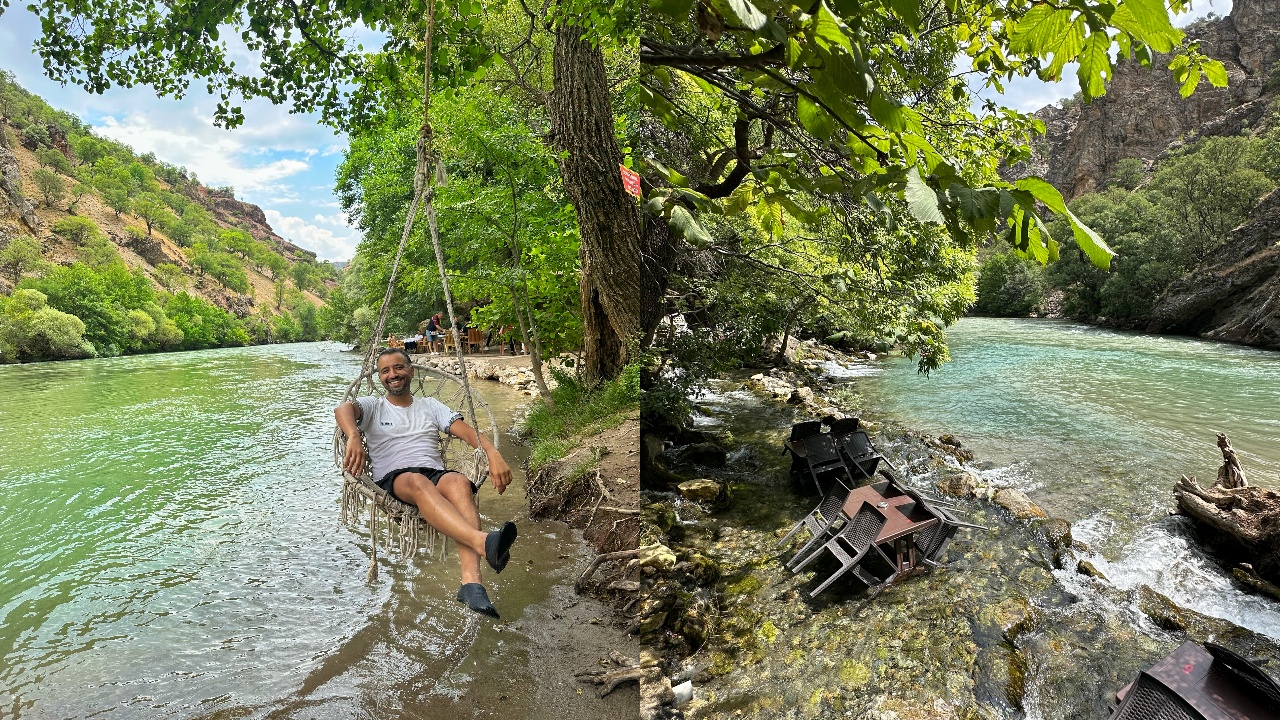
pixel 1249 517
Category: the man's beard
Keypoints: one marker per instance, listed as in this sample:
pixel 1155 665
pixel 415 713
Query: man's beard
pixel 404 387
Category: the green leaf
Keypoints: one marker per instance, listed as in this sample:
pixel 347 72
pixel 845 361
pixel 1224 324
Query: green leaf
pixel 908 10
pixel 1095 65
pixel 922 201
pixel 682 223
pixel 1148 21
pixel 1091 243
pixel 1039 29
pixel 1216 73
pixel 826 31
pixel 678 9
pixel 741 13
pixel 815 119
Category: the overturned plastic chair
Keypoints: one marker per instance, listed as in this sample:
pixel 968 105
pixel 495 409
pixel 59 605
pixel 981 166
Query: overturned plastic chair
pixel 850 544
pixel 820 522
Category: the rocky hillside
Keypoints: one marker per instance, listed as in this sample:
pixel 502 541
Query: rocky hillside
pixel 1235 296
pixel 1142 113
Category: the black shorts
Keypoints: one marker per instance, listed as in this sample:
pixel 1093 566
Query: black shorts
pixel 433 474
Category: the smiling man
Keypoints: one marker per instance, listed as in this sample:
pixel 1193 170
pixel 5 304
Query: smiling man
pixel 403 437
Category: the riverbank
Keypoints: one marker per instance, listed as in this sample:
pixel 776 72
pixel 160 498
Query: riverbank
pixel 1014 626
pixel 513 370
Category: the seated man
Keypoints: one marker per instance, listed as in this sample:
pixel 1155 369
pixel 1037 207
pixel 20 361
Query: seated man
pixel 403 436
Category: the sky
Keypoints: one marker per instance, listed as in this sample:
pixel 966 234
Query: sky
pixel 285 163
pixel 281 162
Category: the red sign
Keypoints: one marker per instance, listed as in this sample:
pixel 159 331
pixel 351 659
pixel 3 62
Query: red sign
pixel 630 180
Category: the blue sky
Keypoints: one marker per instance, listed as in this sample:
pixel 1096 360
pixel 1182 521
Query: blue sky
pixel 285 163
pixel 281 162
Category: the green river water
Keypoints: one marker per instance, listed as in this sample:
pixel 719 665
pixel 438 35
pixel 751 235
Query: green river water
pixel 170 548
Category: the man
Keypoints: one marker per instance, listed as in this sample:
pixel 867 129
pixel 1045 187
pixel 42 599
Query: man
pixel 403 437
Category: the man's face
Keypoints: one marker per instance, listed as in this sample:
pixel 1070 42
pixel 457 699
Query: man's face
pixel 395 374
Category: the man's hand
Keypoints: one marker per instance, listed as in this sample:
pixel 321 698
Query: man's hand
pixel 355 458
pixel 498 471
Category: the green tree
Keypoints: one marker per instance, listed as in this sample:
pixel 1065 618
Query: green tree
pixel 53 158
pixel 90 149
pixel 78 230
pixel 1009 286
pixel 21 256
pixel 50 184
pixel 171 277
pixel 30 330
pixel 152 210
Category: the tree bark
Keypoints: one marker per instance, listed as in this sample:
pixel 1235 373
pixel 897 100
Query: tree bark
pixel 608 219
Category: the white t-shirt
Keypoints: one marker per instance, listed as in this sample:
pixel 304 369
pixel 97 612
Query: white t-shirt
pixel 404 437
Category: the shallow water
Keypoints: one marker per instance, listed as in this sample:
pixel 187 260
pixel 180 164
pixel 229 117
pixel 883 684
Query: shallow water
pixel 170 548
pixel 1097 426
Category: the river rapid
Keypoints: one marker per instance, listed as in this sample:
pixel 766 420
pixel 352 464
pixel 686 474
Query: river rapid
pixel 171 549
pixel 1096 426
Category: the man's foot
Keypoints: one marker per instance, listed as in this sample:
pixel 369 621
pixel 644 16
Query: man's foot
pixel 497 546
pixel 475 597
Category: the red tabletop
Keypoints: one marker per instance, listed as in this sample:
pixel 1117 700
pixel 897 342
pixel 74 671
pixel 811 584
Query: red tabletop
pixel 898 524
pixel 1189 672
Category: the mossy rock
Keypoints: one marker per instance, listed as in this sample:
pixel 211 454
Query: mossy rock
pixel 661 516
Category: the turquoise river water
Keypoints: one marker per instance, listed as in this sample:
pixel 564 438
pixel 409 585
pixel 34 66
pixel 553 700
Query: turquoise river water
pixel 170 547
pixel 1096 426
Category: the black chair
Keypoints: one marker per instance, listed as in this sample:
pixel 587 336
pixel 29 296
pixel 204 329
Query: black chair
pixel 860 456
pixel 844 426
pixel 850 544
pixel 1150 699
pixel 820 522
pixel 823 461
pixel 1247 675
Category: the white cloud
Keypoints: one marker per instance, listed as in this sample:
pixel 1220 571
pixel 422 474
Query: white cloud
pixel 327 244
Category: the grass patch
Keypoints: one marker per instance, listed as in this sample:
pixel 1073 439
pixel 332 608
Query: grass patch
pixel 578 412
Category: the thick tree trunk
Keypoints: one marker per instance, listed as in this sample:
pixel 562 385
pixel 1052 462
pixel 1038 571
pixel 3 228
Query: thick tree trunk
pixel 608 218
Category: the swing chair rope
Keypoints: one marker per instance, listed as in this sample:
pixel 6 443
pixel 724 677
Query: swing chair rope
pixel 356 494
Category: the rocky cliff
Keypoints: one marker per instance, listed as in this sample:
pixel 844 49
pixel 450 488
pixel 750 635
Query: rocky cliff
pixel 1142 113
pixel 1235 296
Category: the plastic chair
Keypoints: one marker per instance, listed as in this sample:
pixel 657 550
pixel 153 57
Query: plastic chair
pixel 1248 675
pixel 1150 699
pixel 823 459
pixel 820 522
pixel 850 544
pixel 844 426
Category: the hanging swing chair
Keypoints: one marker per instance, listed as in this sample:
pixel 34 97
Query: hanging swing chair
pixel 360 494
pixel 400 523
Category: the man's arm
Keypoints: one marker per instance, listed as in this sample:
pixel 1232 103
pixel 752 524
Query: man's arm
pixel 348 417
pixel 498 469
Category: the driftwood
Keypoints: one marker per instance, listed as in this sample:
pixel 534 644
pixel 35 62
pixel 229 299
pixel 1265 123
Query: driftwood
pixel 656 695
pixel 1248 516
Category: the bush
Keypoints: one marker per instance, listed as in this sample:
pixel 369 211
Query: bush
pixel 30 330
pixel 53 158
pixel 578 410
pixel 1009 286
pixel 50 185
pixel 78 230
pixel 35 136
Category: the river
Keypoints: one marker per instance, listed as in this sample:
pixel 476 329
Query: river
pixel 1094 425
pixel 170 549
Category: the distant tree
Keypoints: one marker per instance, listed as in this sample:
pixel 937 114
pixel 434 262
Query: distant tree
pixel 275 263
pixel 89 149
pixel 53 158
pixel 35 136
pixel 50 184
pixel 78 191
pixel 152 210
pixel 304 275
pixel 21 257
pixel 116 195
pixel 1129 173
pixel 78 230
pixel 1009 286
pixel 171 277
pixel 98 252
pixel 281 290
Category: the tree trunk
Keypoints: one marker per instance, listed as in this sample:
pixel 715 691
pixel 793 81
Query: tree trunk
pixel 608 219
pixel 658 251
pixel 529 333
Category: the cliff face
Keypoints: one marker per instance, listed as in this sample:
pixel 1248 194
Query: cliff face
pixel 1235 296
pixel 1142 112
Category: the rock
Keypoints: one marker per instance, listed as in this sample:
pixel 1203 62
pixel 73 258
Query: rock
pixel 1143 113
pixel 1084 567
pixel 707 454
pixel 801 396
pixel 660 515
pixel 949 440
pixel 11 198
pixel 961 483
pixel 1017 502
pixel 1228 297
pixel 1057 533
pixel 702 490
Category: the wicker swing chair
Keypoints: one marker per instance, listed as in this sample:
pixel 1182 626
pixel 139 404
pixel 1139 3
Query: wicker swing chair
pixel 400 523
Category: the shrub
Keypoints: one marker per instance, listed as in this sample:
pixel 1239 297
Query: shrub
pixel 1009 286
pixel 53 158
pixel 50 185
pixel 30 330
pixel 35 136
pixel 78 230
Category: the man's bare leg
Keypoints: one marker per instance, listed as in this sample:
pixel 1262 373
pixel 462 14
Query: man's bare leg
pixel 441 513
pixel 456 488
